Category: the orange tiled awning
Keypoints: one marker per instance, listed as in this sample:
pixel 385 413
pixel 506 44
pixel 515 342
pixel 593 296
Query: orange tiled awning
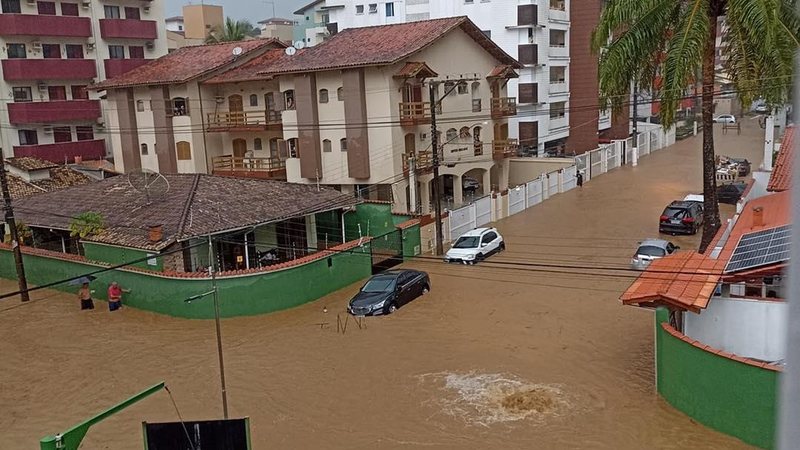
pixel 683 280
pixel 503 71
pixel 415 70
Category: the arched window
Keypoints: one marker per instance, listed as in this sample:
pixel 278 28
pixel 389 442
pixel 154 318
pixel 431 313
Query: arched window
pixel 464 133
pixel 184 150
pixel 452 134
pixel 323 96
pixel 476 89
pixel 343 144
pixel 257 144
pixel 340 94
pixel 140 105
pixel 476 141
pixel 326 145
pixel 180 107
pixel 254 100
pixel 288 99
pixel 144 149
pixel 273 148
pixel 476 97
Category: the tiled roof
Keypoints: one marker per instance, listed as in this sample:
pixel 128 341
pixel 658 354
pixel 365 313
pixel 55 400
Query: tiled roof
pixel 781 178
pixel 249 70
pixel 684 280
pixel 196 205
pixel 381 45
pixel 777 210
pixel 61 177
pixel 186 63
pixel 303 8
pixel 173 19
pixel 412 69
pixel 30 163
pixel 277 21
pixel 503 71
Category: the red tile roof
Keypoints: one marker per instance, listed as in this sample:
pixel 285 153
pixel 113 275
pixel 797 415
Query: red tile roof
pixel 381 45
pixel 249 70
pixel 776 213
pixel 414 69
pixel 187 63
pixel 781 178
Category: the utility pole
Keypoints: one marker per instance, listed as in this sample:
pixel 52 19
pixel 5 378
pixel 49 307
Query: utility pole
pixel 635 150
pixel 12 224
pixel 215 293
pixel 437 200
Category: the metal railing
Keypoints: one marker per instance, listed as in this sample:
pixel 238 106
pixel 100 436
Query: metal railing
pixel 423 161
pixel 504 106
pixel 415 112
pixel 504 148
pixel 243 119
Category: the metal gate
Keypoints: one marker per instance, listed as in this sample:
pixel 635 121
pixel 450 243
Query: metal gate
pixel 596 162
pixel 386 251
pixel 552 183
pixel 611 157
pixel 483 210
pixel 569 178
pixel 534 192
pixel 462 220
pixel 516 200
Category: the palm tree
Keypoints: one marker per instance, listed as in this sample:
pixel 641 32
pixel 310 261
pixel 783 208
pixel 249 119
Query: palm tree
pixel 232 31
pixel 667 43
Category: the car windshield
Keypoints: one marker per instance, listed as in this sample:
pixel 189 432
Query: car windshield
pixel 651 250
pixel 467 242
pixel 380 284
pixel 675 213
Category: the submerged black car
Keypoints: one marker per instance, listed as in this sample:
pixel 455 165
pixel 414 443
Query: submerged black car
pixel 730 193
pixel 681 217
pixel 386 292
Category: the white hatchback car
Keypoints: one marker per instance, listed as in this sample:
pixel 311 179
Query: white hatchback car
pixel 725 118
pixel 475 245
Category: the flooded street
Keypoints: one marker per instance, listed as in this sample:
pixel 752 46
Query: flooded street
pixel 496 356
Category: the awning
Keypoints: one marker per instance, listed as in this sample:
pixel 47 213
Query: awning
pixel 415 70
pixel 502 72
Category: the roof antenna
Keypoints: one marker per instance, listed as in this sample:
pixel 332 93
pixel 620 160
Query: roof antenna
pixel 151 184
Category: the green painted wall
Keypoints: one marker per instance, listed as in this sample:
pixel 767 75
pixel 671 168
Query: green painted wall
pixel 412 243
pixel 239 296
pixel 119 255
pixel 399 218
pixel 375 220
pixel 732 397
pixel 329 226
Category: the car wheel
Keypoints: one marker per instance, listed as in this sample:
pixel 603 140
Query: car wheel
pixel 425 289
pixel 502 246
pixel 480 257
pixel 391 308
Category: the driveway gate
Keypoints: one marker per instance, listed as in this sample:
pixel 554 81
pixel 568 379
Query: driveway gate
pixel 386 251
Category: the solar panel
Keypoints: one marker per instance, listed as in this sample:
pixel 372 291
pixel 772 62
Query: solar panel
pixel 760 249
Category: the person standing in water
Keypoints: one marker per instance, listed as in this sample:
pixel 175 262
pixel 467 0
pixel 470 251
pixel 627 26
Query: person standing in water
pixel 115 296
pixel 85 296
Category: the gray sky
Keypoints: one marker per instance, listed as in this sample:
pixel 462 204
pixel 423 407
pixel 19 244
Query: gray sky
pixel 252 10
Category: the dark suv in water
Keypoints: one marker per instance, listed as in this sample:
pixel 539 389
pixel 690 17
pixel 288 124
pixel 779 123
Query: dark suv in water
pixel 681 217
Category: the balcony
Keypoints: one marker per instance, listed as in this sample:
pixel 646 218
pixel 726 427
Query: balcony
pixel 504 148
pixel 263 168
pixel 558 87
pixel 128 29
pixel 48 69
pixel 42 25
pixel 423 163
pixel 415 113
pixel 528 54
pixel 244 121
pixel 504 107
pixel 116 67
pixel 56 111
pixel 64 151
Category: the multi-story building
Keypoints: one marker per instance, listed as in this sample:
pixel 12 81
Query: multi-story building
pixel 277 28
pixel 557 89
pixel 352 112
pixel 315 25
pixel 52 51
pixel 199 20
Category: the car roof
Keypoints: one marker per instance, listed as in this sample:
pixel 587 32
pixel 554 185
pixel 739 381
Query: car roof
pixel 694 198
pixel 477 231
pixel 681 204
pixel 394 273
pixel 654 242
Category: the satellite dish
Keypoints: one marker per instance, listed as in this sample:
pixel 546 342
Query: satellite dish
pixel 290 51
pixel 300 45
pixel 152 185
pixel 237 51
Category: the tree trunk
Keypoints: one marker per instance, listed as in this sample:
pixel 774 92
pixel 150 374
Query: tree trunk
pixel 711 220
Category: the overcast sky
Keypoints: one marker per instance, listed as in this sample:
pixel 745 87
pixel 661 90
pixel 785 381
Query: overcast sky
pixel 252 10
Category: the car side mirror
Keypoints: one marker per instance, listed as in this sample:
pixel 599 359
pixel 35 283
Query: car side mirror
pixel 677 247
pixel 484 244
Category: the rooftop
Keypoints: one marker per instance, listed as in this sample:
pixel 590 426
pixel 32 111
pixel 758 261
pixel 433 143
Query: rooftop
pixel 196 205
pixel 174 19
pixel 303 8
pixel 277 21
pixel 781 178
pixel 776 212
pixel 30 163
pixel 249 70
pixel 60 177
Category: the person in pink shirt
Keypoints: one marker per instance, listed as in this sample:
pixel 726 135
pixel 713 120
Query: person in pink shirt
pixel 115 296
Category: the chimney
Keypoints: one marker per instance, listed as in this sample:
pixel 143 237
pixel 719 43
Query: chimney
pixel 78 159
pixel 155 233
pixel 758 217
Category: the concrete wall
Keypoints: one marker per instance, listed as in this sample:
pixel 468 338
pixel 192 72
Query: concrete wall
pixel 118 255
pixel 527 169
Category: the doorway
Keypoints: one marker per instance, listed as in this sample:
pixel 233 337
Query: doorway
pixel 239 152
pixel 236 109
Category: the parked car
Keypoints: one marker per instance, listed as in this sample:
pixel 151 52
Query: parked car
pixel 469 184
pixel 475 245
pixel 384 293
pixel 762 108
pixel 725 118
pixel 730 193
pixel 700 198
pixel 681 217
pixel 742 166
pixel 650 249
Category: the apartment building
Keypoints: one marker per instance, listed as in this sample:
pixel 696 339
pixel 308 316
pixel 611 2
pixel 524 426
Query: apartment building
pixel 557 89
pixel 314 25
pixel 275 27
pixel 51 52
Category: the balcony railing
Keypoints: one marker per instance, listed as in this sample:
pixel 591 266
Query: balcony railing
pixel 128 29
pixel 55 111
pixel 415 113
pixel 504 107
pixel 249 167
pixel 48 69
pixel 423 162
pixel 504 148
pixel 64 151
pixel 44 25
pixel 243 120
pixel 116 67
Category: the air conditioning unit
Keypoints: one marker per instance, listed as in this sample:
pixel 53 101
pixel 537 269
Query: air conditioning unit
pixel 149 45
pixel 42 87
pixel 32 2
pixel 36 46
pixel 48 130
pixel 86 4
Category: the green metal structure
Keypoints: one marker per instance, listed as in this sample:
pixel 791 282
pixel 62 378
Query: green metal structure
pixel 71 439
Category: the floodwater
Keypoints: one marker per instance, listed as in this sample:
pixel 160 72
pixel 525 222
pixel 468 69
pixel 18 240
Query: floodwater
pixel 496 356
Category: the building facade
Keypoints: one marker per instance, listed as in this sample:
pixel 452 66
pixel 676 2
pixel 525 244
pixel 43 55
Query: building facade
pixel 314 25
pixel 277 28
pixel 52 51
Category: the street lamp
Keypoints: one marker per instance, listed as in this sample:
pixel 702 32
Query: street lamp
pixel 214 293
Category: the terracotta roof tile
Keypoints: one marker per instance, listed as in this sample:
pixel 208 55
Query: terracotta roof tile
pixel 61 177
pixel 781 178
pixel 249 70
pixel 30 163
pixel 412 69
pixel 503 71
pixel 776 213
pixel 186 63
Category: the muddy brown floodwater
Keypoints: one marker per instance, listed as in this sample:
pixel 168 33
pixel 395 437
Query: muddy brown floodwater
pixel 493 357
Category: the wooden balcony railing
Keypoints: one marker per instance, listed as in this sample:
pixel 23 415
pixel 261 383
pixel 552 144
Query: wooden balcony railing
pixel 423 162
pixel 243 120
pixel 249 167
pixel 504 148
pixel 415 113
pixel 504 107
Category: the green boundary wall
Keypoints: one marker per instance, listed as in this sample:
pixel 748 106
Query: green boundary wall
pixel 119 255
pixel 730 396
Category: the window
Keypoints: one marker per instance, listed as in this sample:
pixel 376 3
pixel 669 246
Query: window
pixel 11 6
pixel 558 74
pixel 294 149
pixel 22 94
pixel 389 9
pixel 558 5
pixel 144 149
pixel 558 38
pixel 116 52
pixel 140 105
pixel 257 144
pixel 180 106
pixel 57 93
pixel 69 9
pixel 46 8
pixel 373 8
pixel 468 2
pixel 326 145
pixel 84 133
pixel 340 94
pixel 323 96
pixel 464 133
pixel 359 9
pixel 111 12
pixel 184 150
pixel 28 137
pixel 16 51
pixel 136 52
pixel 557 110
pixel 79 93
pixel 180 27
pixel 288 99
pixel 273 148
pixel 62 134
pixel 132 13
pixel 489 237
pixel 487 33
pixel 74 51
pixel 452 134
pixel 254 100
pixel 343 144
pixel 463 89
pixel 51 51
